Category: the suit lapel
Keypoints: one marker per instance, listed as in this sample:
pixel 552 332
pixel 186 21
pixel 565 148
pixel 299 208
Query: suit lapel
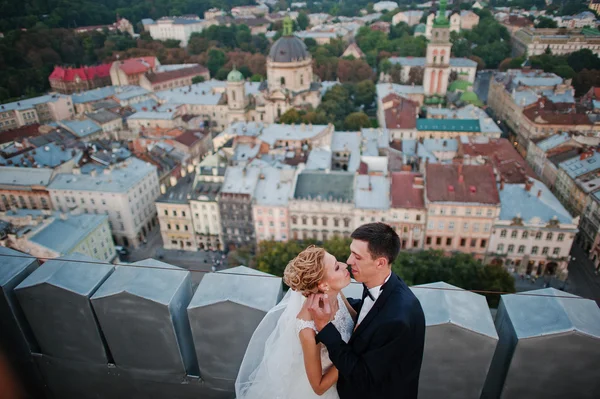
pixel 387 290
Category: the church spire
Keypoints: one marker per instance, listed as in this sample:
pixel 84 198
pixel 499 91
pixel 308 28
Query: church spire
pixel 441 20
pixel 288 26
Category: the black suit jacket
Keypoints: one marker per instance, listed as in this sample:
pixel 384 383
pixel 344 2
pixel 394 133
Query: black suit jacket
pixel 383 357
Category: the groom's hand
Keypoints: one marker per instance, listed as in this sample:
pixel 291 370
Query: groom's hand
pixel 320 310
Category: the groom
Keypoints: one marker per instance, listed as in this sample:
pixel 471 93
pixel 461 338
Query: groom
pixel 383 357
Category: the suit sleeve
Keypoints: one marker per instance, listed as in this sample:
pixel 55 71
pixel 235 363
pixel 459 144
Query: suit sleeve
pixel 366 370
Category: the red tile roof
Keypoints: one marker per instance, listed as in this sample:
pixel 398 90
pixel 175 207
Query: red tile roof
pixel 137 65
pixel 190 137
pixel 20 133
pixel 547 112
pixel 461 183
pixel 404 192
pixel 401 113
pixel 161 77
pixel 501 154
pixel 84 73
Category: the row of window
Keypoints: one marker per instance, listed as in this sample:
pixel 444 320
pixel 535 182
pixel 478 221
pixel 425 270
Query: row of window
pixel 538 235
pixel 271 224
pixel 22 203
pixel 185 227
pixel 454 211
pixel 441 226
pixel 521 249
pixel 324 221
pixel 270 212
pixel 449 241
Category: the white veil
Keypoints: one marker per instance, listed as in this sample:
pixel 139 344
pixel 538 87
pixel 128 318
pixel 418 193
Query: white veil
pixel 273 366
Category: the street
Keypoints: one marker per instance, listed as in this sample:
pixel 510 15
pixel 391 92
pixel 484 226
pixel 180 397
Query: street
pixel 482 85
pixel 582 280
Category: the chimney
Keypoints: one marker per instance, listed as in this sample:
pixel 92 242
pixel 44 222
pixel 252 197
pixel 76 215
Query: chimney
pixel 501 183
pixel 528 185
pixel 461 178
pixel 539 193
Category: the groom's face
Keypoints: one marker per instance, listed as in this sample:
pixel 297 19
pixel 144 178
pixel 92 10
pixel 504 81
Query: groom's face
pixel 363 266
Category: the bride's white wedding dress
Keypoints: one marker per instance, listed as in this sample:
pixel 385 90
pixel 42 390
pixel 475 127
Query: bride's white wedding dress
pixel 273 366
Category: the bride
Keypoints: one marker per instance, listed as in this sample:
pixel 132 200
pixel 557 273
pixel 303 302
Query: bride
pixel 283 359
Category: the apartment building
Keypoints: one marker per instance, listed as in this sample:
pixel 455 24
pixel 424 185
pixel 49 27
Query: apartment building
pixel 175 215
pixel 534 232
pixel 462 203
pixel 24 188
pixel 125 192
pixel 42 109
pixel 407 213
pixel 270 207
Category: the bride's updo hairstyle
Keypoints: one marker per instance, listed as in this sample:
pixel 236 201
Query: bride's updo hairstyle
pixel 305 271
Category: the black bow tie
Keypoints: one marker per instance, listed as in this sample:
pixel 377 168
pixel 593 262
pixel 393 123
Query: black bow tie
pixel 367 293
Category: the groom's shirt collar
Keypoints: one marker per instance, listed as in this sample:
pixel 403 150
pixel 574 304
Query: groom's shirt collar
pixel 376 291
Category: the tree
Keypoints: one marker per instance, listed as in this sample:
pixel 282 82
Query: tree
pixel 353 70
pixel 172 43
pixel 216 59
pixel 583 59
pixel 459 269
pixel 544 22
pixel 415 75
pixel 364 94
pixel 290 116
pixel 197 79
pixel 356 121
pixel 302 21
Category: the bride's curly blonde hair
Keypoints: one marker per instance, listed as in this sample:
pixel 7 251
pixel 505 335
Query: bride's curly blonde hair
pixel 305 271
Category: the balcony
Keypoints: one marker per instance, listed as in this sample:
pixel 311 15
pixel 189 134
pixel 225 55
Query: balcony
pixel 77 328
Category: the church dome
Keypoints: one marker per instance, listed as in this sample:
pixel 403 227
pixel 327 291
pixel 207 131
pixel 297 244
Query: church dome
pixel 235 76
pixel 288 49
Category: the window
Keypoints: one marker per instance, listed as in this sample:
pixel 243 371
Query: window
pixel 538 235
pixel 185 227
pixel 406 216
pixel 513 234
pixel 463 242
pixel 511 248
pixel 549 237
pixel 500 248
pixel 489 212
pixel 173 242
pixel 428 240
pixel 176 227
pixel 521 249
pixel 486 227
pixel 295 219
pixel 465 226
pixel 432 211
pixel 183 213
pixel 545 250
pixel 468 211
pixel 534 250
pixel 336 222
pixel 169 226
pixel 282 224
pixel 430 225
pixel 525 234
pixel 324 220
pixel 438 241
pixel 451 226
pixel 449 241
pixel 479 212
pixel 476 227
pixel 166 213
pixel 346 222
pixel 483 243
pixel 556 251
pixel 441 226
pixel 442 211
pixel 473 242
pixel 103 202
pixel 561 237
pixel 304 219
pixel 418 218
pixel 174 213
pixel 453 211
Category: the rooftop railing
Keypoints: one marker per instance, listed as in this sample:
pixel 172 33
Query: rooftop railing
pixel 73 327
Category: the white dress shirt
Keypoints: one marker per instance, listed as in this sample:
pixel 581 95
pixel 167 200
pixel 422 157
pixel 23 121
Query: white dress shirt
pixel 368 302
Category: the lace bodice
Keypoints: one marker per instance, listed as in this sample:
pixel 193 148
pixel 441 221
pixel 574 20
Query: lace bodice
pixel 343 323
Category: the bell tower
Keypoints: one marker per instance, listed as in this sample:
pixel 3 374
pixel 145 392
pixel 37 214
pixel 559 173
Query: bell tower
pixel 437 62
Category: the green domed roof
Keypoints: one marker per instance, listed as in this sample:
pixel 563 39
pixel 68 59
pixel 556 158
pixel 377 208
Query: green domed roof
pixel 420 28
pixel 471 98
pixel 459 84
pixel 235 76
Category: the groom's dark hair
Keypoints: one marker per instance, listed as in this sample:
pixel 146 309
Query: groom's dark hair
pixel 382 240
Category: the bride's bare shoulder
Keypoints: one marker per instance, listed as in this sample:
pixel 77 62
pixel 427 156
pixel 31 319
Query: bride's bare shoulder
pixel 304 314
